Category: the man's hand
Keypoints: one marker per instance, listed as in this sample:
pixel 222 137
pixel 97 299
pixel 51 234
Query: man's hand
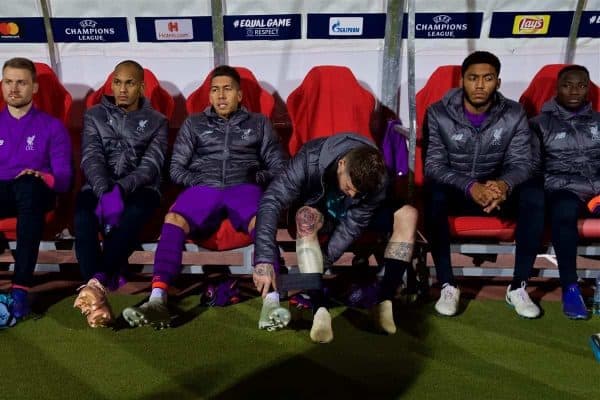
pixel 499 189
pixel 481 194
pixel 264 277
pixel 29 171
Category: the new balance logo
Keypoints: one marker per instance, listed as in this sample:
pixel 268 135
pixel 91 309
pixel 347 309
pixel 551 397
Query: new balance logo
pixel 246 134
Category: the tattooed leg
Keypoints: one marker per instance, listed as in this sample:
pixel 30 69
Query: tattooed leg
pixel 308 251
pixel 399 251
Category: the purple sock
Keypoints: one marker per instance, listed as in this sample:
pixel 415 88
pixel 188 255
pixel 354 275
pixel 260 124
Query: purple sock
pixel 167 261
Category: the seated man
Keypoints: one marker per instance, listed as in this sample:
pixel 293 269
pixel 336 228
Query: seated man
pixel 338 183
pixel 568 130
pixel 223 156
pixel 123 148
pixel 35 163
pixel 478 161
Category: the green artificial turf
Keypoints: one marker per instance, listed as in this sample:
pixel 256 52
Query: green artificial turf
pixel 487 352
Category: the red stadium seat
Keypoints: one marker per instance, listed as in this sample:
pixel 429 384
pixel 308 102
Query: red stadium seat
pixel 543 87
pixel 255 99
pixel 54 99
pixel 160 99
pixel 329 100
pixel 441 80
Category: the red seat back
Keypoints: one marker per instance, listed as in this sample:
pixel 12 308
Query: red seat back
pixel 543 87
pixel 254 97
pixel 52 97
pixel 329 100
pixel 160 99
pixel 441 80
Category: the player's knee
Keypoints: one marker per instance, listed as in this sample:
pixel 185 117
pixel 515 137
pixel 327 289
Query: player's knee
pixel 406 216
pixel 308 221
pixel 177 220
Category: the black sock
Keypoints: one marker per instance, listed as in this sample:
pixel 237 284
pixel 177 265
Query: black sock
pixel 392 277
pixel 516 283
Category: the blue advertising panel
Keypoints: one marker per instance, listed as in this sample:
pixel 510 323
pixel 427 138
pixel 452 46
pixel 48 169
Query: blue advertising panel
pixel 445 25
pixel 174 29
pixel 531 24
pixel 22 30
pixel 262 27
pixel 90 30
pixel 346 26
pixel 590 24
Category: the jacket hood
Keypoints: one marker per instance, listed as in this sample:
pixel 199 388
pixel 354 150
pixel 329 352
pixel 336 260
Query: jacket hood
pixel 453 102
pixel 109 101
pixel 338 145
pixel 552 107
pixel 240 114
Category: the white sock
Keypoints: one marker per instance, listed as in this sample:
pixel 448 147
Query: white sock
pixel 158 294
pixel 273 296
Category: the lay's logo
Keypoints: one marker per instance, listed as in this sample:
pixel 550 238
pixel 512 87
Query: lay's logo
pixel 531 24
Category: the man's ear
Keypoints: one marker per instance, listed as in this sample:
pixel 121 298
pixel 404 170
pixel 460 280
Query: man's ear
pixel 498 85
pixel 35 87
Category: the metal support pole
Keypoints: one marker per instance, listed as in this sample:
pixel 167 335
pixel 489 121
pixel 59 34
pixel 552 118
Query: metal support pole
pixel 572 41
pixel 49 35
pixel 392 51
pixel 219 51
pixel 412 107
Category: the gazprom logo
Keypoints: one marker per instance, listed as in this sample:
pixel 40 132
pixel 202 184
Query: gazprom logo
pixel 88 23
pixel 345 26
pixel 442 19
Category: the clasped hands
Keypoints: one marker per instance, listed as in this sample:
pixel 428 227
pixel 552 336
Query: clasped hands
pixel 489 195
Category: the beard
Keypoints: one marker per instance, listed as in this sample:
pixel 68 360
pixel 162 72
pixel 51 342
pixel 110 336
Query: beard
pixel 479 103
pixel 19 103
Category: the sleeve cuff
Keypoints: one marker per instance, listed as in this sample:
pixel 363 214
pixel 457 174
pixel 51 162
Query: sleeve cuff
pixel 468 189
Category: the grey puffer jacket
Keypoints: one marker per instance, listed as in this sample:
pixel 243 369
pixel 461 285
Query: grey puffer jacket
pixel 217 152
pixel 124 148
pixel 570 147
pixel 458 154
pixel 302 182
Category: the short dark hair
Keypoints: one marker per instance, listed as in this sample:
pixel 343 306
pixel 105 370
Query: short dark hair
pixel 571 68
pixel 366 168
pixel 226 70
pixel 480 57
pixel 21 63
pixel 139 69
